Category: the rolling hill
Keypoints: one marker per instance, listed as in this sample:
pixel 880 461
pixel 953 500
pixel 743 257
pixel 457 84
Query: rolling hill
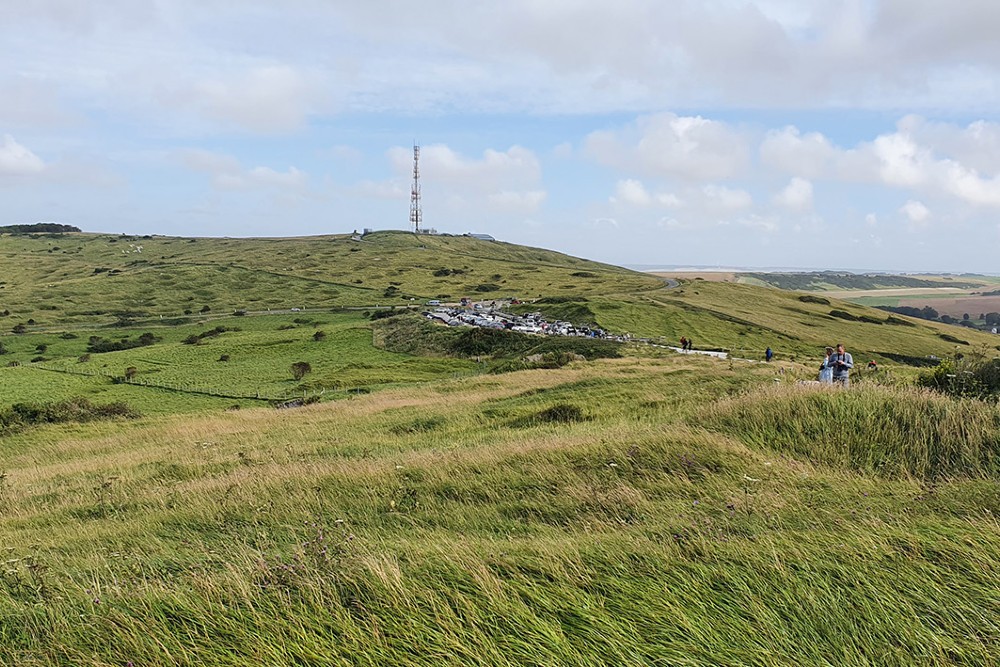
pixel 440 504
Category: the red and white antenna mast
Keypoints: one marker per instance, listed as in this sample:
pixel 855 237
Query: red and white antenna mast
pixel 416 215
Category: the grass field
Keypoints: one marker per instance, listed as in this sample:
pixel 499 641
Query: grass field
pixel 56 280
pixel 247 364
pixel 474 521
pixel 653 509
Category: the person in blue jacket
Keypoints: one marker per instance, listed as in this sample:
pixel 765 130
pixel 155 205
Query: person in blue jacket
pixel 826 368
pixel 842 363
pixel 768 354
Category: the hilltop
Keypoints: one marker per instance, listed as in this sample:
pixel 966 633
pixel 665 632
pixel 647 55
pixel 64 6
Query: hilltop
pixel 96 278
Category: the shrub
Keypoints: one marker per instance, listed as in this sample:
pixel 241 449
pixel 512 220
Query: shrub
pixel 99 345
pixel 319 335
pixel 560 413
pixel 844 315
pixel 973 376
pixel 300 369
pixel 809 298
pixel 952 339
pixel 195 339
pixel 22 415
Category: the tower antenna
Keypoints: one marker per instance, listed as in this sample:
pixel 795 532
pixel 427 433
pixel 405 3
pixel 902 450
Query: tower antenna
pixel 416 215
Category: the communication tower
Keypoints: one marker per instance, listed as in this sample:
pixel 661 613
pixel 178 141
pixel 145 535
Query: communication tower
pixel 416 215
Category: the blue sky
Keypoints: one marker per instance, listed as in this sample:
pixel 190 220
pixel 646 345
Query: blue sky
pixel 859 134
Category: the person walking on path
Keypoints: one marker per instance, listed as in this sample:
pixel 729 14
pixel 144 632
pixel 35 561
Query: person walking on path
pixel 684 343
pixel 826 368
pixel 842 364
pixel 768 355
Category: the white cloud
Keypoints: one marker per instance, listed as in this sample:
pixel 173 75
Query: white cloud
pixel 16 160
pixel 931 158
pixel 666 145
pixel 517 202
pixel 730 199
pixel 268 99
pixel 632 192
pixel 228 173
pixel 766 224
pixel 788 150
pixel 503 181
pixel 915 211
pixel 796 196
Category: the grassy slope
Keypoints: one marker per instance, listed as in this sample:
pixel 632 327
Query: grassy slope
pixel 435 525
pixel 680 521
pixel 52 280
pixel 260 356
pixel 747 319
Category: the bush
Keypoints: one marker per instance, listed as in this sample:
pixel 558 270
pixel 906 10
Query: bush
pixel 952 339
pixel 973 376
pixel 300 369
pixel 99 345
pixel 195 339
pixel 560 413
pixel 809 298
pixel 22 415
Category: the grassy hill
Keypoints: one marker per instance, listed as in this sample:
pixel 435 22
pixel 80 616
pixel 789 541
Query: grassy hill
pixel 436 507
pixel 91 278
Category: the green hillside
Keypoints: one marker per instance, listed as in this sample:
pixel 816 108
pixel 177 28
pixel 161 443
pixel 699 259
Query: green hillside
pixel 434 495
pixel 62 278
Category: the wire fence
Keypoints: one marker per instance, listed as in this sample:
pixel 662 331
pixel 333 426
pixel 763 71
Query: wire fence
pixel 201 390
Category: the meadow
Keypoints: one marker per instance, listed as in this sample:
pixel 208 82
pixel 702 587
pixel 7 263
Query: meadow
pixel 683 513
pixel 435 505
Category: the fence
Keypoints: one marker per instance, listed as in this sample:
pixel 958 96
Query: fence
pixel 186 389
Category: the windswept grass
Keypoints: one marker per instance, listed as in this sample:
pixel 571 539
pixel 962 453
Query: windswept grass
pixel 423 526
pixel 892 432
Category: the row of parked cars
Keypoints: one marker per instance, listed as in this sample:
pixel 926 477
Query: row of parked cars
pixel 491 317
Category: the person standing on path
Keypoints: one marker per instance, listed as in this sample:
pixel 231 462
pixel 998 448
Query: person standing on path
pixel 842 363
pixel 768 355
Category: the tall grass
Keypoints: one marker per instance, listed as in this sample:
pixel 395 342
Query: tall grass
pixel 433 525
pixel 893 432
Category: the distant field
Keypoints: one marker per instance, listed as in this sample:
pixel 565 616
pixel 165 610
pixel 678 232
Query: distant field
pixel 717 276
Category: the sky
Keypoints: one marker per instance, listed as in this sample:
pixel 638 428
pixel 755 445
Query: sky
pixel 855 134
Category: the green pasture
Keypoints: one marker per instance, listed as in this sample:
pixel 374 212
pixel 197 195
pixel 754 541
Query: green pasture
pixel 251 360
pixel 57 279
pixel 746 320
